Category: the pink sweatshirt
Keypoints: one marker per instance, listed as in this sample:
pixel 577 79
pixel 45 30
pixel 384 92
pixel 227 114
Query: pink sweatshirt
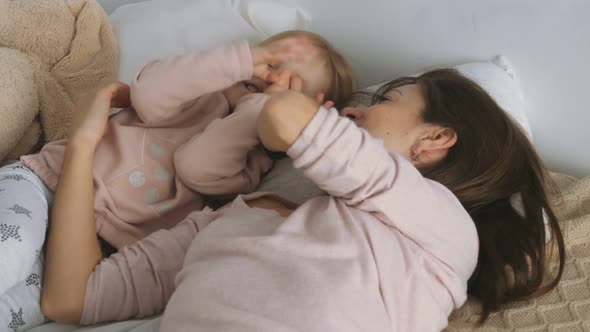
pixel 388 250
pixel 154 159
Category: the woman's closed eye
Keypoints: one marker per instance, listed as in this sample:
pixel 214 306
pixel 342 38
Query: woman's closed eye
pixel 390 96
pixel 387 98
pixel 383 99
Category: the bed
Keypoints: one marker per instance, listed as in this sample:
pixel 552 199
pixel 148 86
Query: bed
pixel 566 308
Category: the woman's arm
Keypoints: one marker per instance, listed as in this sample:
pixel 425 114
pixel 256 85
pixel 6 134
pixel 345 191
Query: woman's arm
pixel 72 248
pixel 283 119
pixel 342 159
pixel 138 280
pixel 350 164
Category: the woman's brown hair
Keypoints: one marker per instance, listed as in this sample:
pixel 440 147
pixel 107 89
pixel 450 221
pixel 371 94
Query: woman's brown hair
pixel 492 165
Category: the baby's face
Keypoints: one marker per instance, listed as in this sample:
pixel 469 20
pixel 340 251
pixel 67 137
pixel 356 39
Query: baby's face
pixel 313 72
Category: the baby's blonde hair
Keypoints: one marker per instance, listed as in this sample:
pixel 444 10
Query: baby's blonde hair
pixel 342 84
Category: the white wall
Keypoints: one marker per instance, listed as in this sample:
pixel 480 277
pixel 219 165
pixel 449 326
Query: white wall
pixel 548 42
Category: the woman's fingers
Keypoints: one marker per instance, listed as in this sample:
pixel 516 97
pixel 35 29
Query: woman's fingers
pixel 284 78
pixel 329 104
pixel 93 112
pixel 285 81
pixel 261 71
pixel 116 94
pixel 273 77
pixel 282 82
pixel 320 97
pixel 120 95
pixel 296 83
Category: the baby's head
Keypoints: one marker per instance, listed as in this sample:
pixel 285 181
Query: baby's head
pixel 326 72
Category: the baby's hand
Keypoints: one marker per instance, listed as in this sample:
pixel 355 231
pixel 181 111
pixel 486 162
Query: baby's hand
pixel 268 58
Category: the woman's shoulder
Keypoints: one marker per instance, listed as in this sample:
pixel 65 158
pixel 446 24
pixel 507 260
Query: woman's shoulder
pixel 430 214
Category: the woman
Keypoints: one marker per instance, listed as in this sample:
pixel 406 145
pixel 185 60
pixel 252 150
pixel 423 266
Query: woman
pixel 419 214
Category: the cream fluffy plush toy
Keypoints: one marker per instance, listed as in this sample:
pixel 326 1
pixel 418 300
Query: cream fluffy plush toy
pixel 50 52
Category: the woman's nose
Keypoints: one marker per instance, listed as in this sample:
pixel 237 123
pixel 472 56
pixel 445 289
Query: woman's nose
pixel 353 113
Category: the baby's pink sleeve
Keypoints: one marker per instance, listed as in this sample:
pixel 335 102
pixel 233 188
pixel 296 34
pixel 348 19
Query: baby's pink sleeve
pixel 164 88
pixel 227 157
pixel 138 280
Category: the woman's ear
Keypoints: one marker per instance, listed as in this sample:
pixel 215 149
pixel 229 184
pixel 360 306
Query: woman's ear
pixel 434 146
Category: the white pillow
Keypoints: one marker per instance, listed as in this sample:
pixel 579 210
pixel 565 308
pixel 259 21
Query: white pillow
pixel 161 28
pixel 498 79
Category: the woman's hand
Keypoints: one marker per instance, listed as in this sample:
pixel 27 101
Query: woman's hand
pixel 283 119
pixel 91 117
pixel 268 58
pixel 283 81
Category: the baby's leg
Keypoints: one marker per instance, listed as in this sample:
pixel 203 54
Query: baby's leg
pixel 20 308
pixel 24 212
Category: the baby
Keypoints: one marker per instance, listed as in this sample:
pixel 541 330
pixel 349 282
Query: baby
pixel 227 158
pixel 155 162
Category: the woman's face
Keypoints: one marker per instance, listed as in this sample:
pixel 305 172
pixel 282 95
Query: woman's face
pixel 398 122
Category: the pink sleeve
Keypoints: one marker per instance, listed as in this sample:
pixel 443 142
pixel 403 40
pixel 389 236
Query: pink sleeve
pixel 138 280
pixel 226 158
pixel 350 164
pixel 164 88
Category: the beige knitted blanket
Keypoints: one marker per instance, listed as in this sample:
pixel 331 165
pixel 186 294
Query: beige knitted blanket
pixel 567 307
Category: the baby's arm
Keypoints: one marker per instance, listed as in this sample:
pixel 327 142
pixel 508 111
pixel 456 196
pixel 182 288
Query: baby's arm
pixel 138 280
pixel 164 88
pixel 226 158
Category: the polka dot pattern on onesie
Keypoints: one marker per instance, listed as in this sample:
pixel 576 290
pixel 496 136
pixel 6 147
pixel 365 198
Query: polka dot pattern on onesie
pixel 163 207
pixel 137 179
pixel 155 150
pixel 151 195
pixel 161 174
